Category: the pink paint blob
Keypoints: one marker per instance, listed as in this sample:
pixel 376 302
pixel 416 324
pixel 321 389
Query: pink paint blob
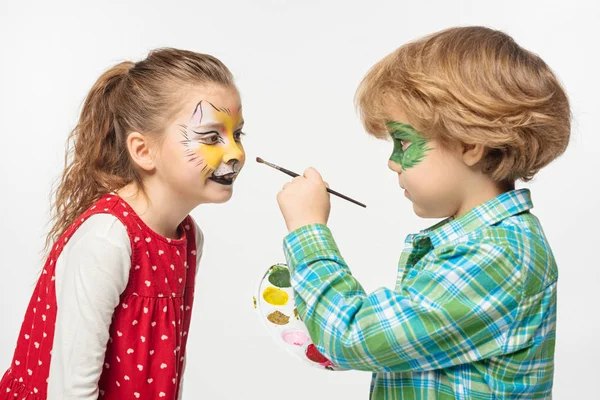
pixel 295 338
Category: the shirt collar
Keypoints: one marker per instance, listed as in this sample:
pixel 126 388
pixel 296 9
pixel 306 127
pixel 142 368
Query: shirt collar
pixel 489 213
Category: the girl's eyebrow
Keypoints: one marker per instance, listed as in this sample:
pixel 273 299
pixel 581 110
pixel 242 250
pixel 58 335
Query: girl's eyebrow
pixel 217 126
pixel 213 132
pixel 212 125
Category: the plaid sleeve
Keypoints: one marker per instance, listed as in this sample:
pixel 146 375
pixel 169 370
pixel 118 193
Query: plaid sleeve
pixel 457 308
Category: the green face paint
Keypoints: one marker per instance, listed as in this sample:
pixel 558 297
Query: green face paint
pixel 412 155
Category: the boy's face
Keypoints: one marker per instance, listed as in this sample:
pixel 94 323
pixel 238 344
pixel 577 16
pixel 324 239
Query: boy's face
pixel 431 175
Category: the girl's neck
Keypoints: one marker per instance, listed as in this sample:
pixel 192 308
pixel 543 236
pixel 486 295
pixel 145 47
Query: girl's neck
pixel 159 209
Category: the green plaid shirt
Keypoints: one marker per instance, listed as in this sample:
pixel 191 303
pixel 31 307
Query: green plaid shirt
pixel 472 316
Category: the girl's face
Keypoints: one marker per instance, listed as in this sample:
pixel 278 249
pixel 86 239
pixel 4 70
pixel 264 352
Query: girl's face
pixel 202 153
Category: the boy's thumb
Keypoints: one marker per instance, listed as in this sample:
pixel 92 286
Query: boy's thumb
pixel 313 175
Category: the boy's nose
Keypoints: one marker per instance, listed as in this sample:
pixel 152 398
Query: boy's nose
pixel 394 167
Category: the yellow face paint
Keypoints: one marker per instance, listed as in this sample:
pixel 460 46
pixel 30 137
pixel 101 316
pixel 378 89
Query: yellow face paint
pixel 213 139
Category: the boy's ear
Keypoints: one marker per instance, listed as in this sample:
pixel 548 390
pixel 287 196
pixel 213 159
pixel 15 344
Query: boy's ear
pixel 472 154
pixel 139 149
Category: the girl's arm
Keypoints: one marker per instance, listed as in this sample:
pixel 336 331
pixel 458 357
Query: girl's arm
pixel 91 273
pixel 199 249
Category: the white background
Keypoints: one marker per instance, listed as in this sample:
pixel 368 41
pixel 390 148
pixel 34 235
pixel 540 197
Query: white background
pixel 297 64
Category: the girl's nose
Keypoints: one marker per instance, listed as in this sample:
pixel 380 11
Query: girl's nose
pixel 234 152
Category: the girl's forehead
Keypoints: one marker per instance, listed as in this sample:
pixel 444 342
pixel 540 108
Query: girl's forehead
pixel 220 96
pixel 214 105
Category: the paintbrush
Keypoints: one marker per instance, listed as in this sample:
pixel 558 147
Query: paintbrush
pixel 293 175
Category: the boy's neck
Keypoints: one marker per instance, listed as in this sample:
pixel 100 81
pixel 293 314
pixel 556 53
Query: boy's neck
pixel 480 190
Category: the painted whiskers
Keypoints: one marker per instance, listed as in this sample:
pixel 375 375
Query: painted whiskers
pixel 192 155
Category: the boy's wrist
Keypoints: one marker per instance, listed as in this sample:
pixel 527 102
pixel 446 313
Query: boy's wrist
pixel 295 225
pixel 307 241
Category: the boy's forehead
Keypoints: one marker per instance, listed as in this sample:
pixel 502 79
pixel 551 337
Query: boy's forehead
pixel 395 113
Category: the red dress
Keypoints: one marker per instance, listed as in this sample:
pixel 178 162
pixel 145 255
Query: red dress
pixel 148 334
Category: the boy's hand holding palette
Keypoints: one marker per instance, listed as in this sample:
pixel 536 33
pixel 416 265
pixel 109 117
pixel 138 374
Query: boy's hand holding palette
pixel 276 306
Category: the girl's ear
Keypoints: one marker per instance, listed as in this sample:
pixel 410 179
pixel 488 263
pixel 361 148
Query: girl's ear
pixel 139 149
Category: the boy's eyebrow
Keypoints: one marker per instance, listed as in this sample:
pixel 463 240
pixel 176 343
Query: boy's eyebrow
pixel 397 127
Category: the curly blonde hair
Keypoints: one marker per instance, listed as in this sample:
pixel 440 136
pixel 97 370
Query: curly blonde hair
pixel 473 85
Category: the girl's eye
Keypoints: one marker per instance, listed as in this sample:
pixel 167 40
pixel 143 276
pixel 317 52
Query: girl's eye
pixel 211 140
pixel 405 144
pixel 237 135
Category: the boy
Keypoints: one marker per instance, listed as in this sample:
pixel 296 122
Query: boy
pixel 474 311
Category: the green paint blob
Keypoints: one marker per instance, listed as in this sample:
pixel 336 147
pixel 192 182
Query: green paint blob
pixel 280 276
pixel 417 149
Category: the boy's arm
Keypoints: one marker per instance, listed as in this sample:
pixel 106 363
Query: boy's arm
pixel 457 312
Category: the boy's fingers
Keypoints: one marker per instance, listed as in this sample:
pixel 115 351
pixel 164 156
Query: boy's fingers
pixel 313 175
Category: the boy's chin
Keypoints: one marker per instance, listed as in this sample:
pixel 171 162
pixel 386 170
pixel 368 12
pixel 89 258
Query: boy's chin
pixel 420 212
pixel 428 214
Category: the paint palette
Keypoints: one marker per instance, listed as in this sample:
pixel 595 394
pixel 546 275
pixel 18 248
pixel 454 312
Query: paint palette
pixel 275 304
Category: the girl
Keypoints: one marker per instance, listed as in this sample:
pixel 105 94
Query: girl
pixel 110 315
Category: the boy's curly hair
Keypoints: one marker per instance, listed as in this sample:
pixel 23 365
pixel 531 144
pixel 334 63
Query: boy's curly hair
pixel 473 85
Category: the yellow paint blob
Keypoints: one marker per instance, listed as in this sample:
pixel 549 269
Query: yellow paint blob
pixel 276 297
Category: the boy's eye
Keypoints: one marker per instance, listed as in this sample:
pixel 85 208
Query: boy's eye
pixel 405 144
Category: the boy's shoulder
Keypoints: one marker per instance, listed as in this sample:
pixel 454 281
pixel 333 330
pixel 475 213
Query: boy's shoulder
pixel 521 239
pixel 502 235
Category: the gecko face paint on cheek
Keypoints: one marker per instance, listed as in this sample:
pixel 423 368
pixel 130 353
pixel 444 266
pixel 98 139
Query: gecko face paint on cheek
pixel 410 146
pixel 212 141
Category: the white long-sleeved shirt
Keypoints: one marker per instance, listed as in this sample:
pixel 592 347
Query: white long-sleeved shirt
pixel 91 273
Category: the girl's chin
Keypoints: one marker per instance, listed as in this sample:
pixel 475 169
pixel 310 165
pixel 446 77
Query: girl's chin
pixel 216 193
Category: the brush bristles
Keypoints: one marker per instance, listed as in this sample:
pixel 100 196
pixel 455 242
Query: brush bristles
pixel 260 160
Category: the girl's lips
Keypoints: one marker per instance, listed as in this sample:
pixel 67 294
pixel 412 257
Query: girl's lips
pixel 226 179
pixel 221 181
